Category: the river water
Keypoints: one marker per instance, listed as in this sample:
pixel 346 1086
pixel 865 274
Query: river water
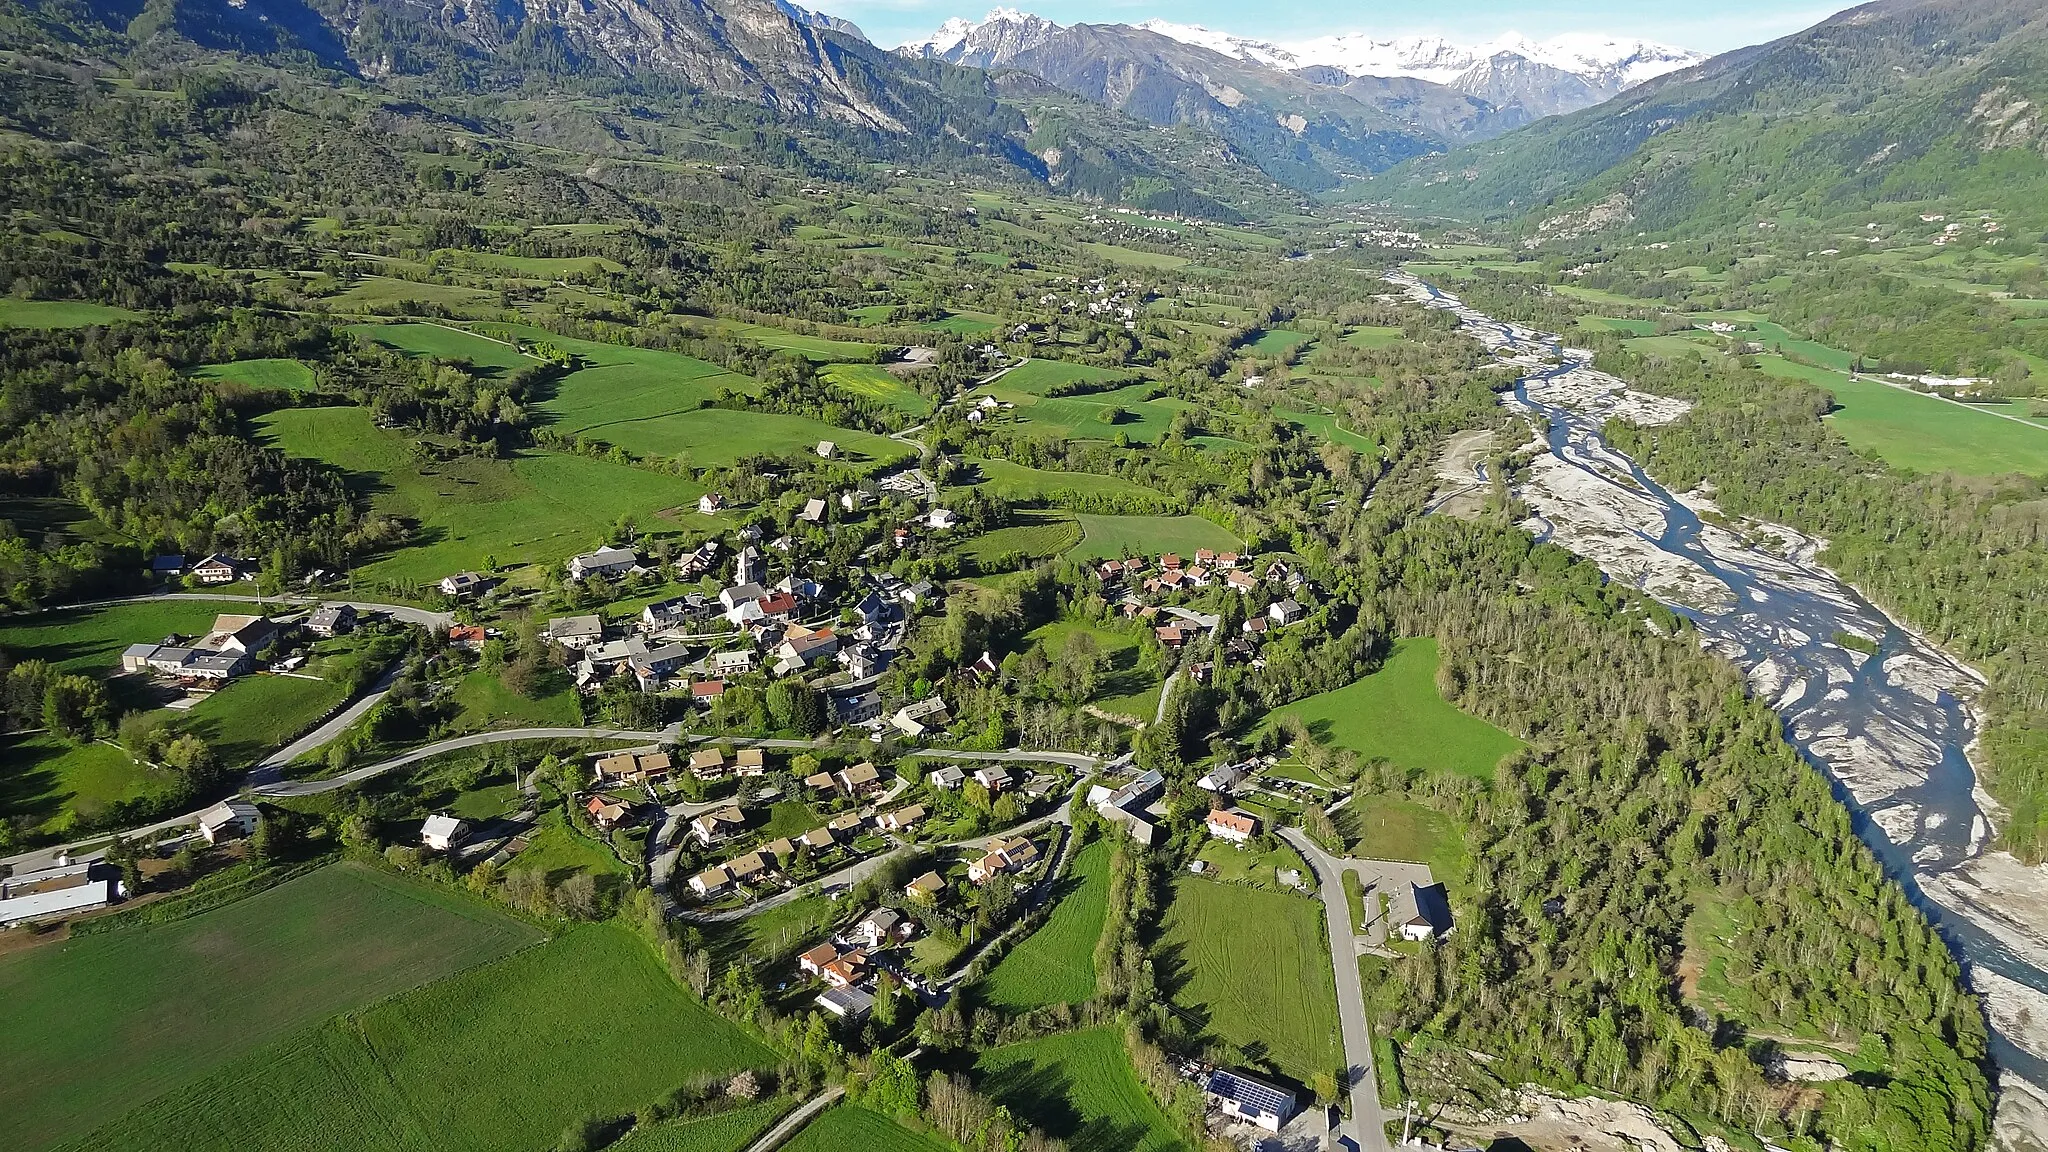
pixel 1891 727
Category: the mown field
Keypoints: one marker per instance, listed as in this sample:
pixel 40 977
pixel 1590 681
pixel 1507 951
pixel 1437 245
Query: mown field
pixel 255 715
pixel 1255 966
pixel 1079 1087
pixel 500 1057
pixel 1039 375
pixel 1017 482
pixel 1056 964
pixel 1278 342
pixel 1925 433
pixel 494 357
pixel 725 1132
pixel 819 348
pixel 1327 426
pixel 875 382
pixel 282 375
pixel 538 506
pixel 1038 535
pixel 49 783
pixel 1397 714
pixel 91 639
pixel 1088 417
pixel 95 1026
pixel 1390 828
pixel 851 1128
pixel 18 313
pixel 1107 537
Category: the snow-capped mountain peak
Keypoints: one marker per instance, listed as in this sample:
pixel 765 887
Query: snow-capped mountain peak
pixel 962 41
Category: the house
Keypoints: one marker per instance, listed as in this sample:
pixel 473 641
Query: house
pixel 49 893
pixel 801 647
pixel 813 962
pixel 707 764
pixel 947 778
pixel 228 820
pixel 736 663
pixel 167 565
pixel 873 609
pixel 1223 778
pixel 903 819
pixel 1285 612
pixel 925 888
pixel 673 613
pixel 777 605
pixel 846 1003
pixel 1004 855
pixel 779 850
pixel 994 778
pixel 710 504
pixel 747 867
pixel 814 511
pixel 218 569
pixel 1170 635
pixel 238 635
pixel 915 719
pixel 855 707
pixel 442 832
pixel 1256 625
pixel 606 562
pixel 1170 562
pixel 656 669
pixel 863 661
pixel 918 594
pixel 739 595
pixel 1419 912
pixel 750 762
pixel 710 881
pixel 860 780
pixel 881 927
pixel 818 839
pixel 853 500
pixel 820 782
pixel 654 764
pixel 902 537
pixel 750 567
pixel 608 811
pixel 620 767
pixel 1235 827
pixel 462 585
pixel 846 971
pixel 1240 581
pixel 469 637
pixel 576 631
pixel 705 691
pixel 1249 1099
pixel 1138 792
pixel 712 827
pixel 332 620
pixel 698 562
pixel 826 449
pixel 942 520
pixel 845 824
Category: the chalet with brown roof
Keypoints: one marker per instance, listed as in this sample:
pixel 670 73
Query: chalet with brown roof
pixel 781 849
pixel 845 824
pixel 926 887
pixel 712 827
pixel 861 780
pixel 814 961
pixel 848 970
pixel 607 811
pixel 623 766
pixel 1170 635
pixel 710 881
pixel 1240 581
pixel 749 866
pixel 821 782
pixel 819 838
pixel 749 762
pixel 707 764
pixel 1004 855
pixel 705 691
pixel 1170 561
pixel 904 819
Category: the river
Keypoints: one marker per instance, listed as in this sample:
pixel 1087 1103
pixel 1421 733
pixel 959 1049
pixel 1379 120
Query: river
pixel 1888 715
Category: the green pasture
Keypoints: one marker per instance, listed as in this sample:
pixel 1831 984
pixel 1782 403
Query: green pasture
pixel 1925 433
pixel 1380 827
pixel 1117 254
pixel 444 343
pixel 1109 537
pixel 1038 375
pixel 50 782
pixel 18 313
pixel 1371 336
pixel 1397 714
pixel 1056 963
pixel 852 1128
pixel 1274 1000
pixel 94 1027
pixel 1018 483
pixel 1080 1088
pixel 1039 535
pixel 1278 342
pixel 876 383
pixel 820 348
pixel 729 1131
pixel 279 374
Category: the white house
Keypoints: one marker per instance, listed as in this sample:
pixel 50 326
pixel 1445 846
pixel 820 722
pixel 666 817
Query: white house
pixel 1419 912
pixel 607 562
pixel 1285 612
pixel 461 584
pixel 827 449
pixel 227 820
pixel 947 778
pixel 942 520
pixel 710 504
pixel 442 832
pixel 915 719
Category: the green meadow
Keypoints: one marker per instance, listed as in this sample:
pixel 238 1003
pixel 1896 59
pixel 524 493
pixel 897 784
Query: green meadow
pixel 1397 714
pixel 1038 375
pixel 1078 1087
pixel 501 1056
pixel 96 1026
pixel 537 506
pixel 1056 964
pixel 1109 537
pixel 1925 433
pixel 1276 1002
pixel 19 313
pixel 279 374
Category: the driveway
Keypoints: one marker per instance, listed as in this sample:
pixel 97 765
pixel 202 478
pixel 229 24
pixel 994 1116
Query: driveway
pixel 1368 1127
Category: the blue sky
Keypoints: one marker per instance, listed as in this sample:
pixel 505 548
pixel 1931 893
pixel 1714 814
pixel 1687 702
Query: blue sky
pixel 1704 25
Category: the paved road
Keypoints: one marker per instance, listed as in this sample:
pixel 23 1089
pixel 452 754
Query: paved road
pixel 789 1125
pixel 267 771
pixel 456 744
pixel 1368 1124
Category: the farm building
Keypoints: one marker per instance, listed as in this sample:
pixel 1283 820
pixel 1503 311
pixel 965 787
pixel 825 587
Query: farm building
pixel 846 1003
pixel 60 891
pixel 218 569
pixel 606 562
pixel 227 820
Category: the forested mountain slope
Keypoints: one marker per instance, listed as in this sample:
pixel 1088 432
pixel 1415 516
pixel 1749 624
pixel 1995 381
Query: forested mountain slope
pixel 1902 100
